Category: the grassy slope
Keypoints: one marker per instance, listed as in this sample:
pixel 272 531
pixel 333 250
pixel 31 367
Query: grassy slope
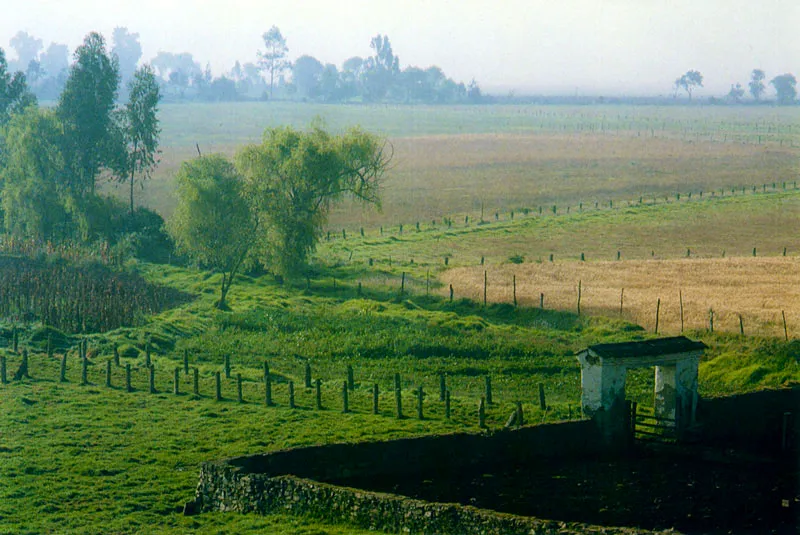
pixel 89 460
pixel 86 459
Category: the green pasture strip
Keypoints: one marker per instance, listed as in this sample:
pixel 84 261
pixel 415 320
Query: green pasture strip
pixel 707 228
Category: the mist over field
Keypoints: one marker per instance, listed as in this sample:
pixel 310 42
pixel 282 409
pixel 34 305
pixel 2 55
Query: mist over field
pixel 579 47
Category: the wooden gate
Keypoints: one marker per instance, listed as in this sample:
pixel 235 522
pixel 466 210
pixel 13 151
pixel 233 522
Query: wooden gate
pixel 647 427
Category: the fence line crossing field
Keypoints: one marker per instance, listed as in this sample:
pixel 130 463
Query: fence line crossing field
pixel 757 289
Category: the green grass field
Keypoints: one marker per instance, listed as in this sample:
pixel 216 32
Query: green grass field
pixel 89 459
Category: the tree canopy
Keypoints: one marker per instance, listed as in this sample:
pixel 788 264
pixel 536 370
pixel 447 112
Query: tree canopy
pixel 786 88
pixel 140 128
pixel 756 84
pixel 294 177
pixel 213 223
pixel 689 82
pixel 273 60
pixel 14 93
pixel 84 109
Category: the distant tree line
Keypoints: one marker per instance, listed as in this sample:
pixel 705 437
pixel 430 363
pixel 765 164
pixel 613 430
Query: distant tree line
pixel 785 86
pixel 376 78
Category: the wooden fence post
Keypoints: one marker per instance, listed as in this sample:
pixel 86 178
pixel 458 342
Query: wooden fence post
pixel 680 298
pixel 520 414
pixel 152 376
pixel 351 385
pixel 128 386
pixel 542 400
pixel 147 360
pixel 227 359
pixel 451 293
pixel 514 288
pixel 485 286
pixel 621 300
pixel 442 386
pixel 741 325
pixel 447 405
pixel 785 430
pixel 482 413
pixel 176 381
pixel 345 398
pixel 579 296
pixel 488 389
pixel 196 381
pixel 420 397
pixel 84 371
pixel 116 355
pixel 541 301
pixel 307 378
pixel 291 395
pixel 108 374
pixel 267 385
pixel 375 398
pixel 785 330
pixel 239 396
pixel 403 283
pixel 218 385
pixel 398 397
pixel 62 375
pixel 318 393
pixel 24 369
pixel 658 310
pixel 3 376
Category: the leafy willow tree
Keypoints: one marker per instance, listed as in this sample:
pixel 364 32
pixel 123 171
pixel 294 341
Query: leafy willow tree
pixel 30 191
pixel 786 88
pixel 756 84
pixel 294 177
pixel 85 110
pixel 140 128
pixel 273 60
pixel 213 223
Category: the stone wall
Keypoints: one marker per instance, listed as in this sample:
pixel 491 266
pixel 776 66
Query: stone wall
pixel 751 421
pixel 293 481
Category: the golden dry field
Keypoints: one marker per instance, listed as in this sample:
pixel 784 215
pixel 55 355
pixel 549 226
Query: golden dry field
pixel 758 289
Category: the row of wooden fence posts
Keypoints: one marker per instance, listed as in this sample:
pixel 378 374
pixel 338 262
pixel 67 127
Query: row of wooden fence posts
pixel 554 208
pixel 347 386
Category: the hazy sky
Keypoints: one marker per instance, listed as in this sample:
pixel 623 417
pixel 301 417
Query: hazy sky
pixel 584 46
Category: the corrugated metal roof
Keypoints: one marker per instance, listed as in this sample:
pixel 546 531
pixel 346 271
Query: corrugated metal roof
pixel 648 348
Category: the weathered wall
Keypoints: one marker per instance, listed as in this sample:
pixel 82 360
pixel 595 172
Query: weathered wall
pixel 751 421
pixel 281 481
pixel 433 454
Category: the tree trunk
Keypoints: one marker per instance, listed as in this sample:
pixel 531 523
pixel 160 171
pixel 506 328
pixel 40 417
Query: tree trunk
pixel 131 195
pixel 224 292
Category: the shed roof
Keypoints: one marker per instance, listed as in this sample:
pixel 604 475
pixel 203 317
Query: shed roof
pixel 648 348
